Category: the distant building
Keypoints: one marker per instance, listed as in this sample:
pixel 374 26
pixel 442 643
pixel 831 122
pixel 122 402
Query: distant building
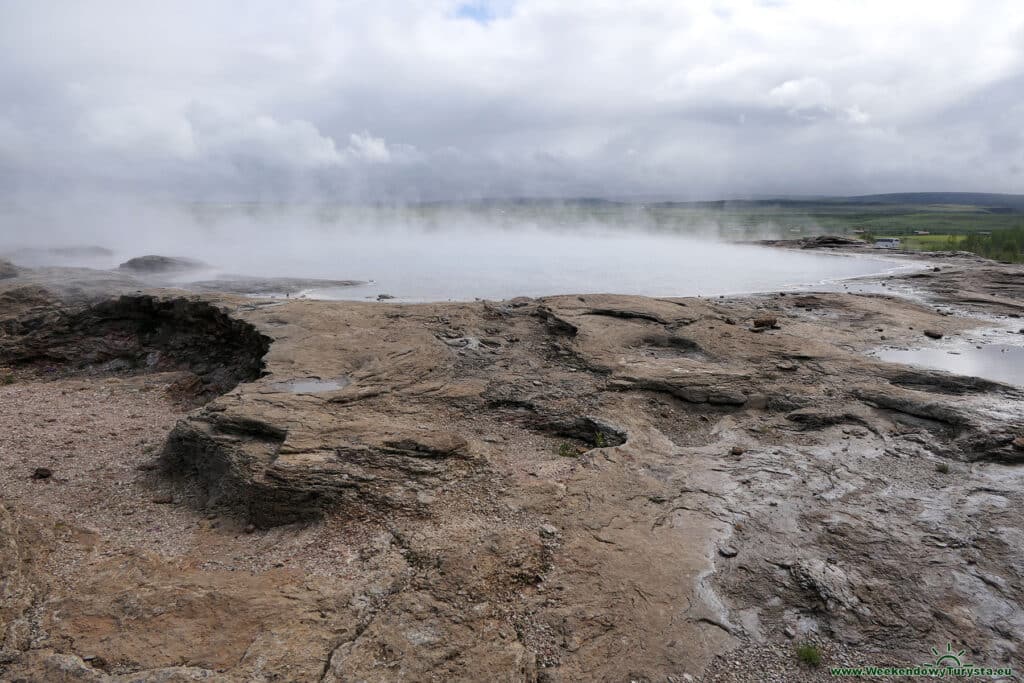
pixel 888 242
pixel 921 232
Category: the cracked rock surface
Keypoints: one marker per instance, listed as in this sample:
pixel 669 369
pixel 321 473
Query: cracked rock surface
pixel 574 488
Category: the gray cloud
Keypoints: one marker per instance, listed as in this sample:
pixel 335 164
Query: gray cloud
pixel 422 100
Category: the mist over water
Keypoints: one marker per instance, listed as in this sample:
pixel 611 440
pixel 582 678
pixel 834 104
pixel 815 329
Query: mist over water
pixel 431 253
pixel 462 266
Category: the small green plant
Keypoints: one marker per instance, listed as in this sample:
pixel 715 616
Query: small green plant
pixel 942 468
pixel 599 440
pixel 6 379
pixel 567 450
pixel 808 654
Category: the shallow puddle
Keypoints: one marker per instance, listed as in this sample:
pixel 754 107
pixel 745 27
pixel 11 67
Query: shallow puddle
pixel 996 362
pixel 312 385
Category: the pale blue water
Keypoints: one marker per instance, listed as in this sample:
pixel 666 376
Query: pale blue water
pixel 462 266
pixel 312 385
pixel 996 362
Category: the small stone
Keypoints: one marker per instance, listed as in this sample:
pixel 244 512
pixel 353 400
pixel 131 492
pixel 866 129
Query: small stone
pixel 163 499
pixel 548 531
pixel 1018 443
pixel 789 632
pixel 42 473
pixel 728 551
pixel 933 334
pixel 250 528
pixel 384 297
pixel 766 322
pixel 787 366
pixel 737 450
pixel 95 661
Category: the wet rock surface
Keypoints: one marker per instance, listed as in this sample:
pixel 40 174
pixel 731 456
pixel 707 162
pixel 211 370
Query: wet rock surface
pixel 610 488
pixel 288 286
pixel 79 285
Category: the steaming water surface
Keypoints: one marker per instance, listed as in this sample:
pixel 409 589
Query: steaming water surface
pixel 460 256
pixel 461 267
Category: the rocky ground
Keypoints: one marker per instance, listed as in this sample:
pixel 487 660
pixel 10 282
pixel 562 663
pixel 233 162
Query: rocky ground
pixel 573 488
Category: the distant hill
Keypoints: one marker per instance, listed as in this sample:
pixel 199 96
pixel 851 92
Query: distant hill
pixel 992 203
pixel 985 202
pixel 983 199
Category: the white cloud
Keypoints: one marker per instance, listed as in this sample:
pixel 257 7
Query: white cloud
pixel 803 93
pixel 365 147
pixel 709 96
pixel 295 144
pixel 136 128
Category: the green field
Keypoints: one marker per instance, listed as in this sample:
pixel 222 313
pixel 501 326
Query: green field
pixel 992 227
pixel 931 242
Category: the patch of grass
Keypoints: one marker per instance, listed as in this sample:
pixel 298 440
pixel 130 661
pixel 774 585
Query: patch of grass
pixel 1002 245
pixel 942 468
pixel 808 654
pixel 931 242
pixel 567 450
pixel 599 440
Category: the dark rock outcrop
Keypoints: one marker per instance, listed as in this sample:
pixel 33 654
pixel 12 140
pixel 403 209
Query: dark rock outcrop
pixel 7 270
pixel 243 463
pixel 154 264
pixel 139 334
pixel 819 241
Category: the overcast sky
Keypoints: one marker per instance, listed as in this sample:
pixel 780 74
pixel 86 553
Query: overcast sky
pixel 421 99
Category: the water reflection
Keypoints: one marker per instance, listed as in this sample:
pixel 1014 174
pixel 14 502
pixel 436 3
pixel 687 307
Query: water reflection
pixel 996 362
pixel 312 385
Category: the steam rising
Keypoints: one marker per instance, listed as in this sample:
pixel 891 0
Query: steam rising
pixel 432 252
